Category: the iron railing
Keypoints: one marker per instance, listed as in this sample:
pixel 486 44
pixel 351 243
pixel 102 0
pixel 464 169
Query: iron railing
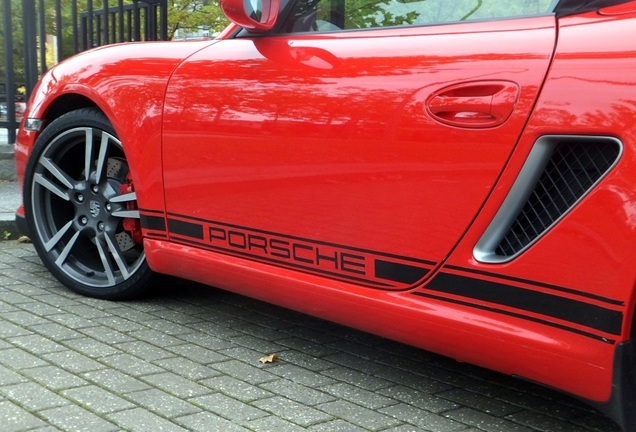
pixel 112 22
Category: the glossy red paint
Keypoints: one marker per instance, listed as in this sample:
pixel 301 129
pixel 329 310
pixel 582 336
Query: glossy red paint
pixel 350 175
pixel 273 147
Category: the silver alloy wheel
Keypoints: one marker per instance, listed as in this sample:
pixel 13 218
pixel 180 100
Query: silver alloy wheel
pixel 80 199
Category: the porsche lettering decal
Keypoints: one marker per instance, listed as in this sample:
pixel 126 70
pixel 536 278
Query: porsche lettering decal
pixel 362 266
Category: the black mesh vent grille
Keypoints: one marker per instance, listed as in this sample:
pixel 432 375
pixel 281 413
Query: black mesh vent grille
pixel 571 171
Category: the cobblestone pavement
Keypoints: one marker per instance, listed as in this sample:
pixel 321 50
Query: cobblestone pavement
pixel 188 359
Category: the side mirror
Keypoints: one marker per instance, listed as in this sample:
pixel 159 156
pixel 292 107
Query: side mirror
pixel 255 16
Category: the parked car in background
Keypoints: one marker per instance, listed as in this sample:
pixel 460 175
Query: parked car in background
pixel 459 176
pixel 19 98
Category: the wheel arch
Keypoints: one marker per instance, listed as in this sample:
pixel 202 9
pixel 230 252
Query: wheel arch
pixel 141 144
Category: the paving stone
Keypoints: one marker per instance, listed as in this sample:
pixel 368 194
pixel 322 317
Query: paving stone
pixel 187 368
pixel 423 419
pixel 120 324
pixel 75 418
pixel 544 423
pixel 23 318
pixel 140 420
pixel 18 359
pixel 236 388
pixel 9 329
pixel 86 311
pixel 56 332
pixel 293 411
pixel 91 348
pixel 360 416
pixel 16 419
pixel 54 377
pixel 248 373
pixel 131 365
pixel 297 392
pixel 107 335
pixel 177 316
pixel 144 350
pixel 336 426
pixel 307 347
pixel 228 407
pixel 357 378
pixel 302 376
pixel 272 423
pixel 73 361
pixel 357 395
pixel 115 381
pixel 155 337
pixel 168 327
pixel 213 341
pixel 485 421
pixel 258 344
pixel 37 344
pixel 197 353
pixel 208 422
pixel 479 402
pixel 32 396
pixel 176 385
pixel 8 376
pixel 65 298
pixel 162 403
pixel 97 399
pixel 420 399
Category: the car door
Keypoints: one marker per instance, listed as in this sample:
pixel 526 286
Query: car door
pixel 356 142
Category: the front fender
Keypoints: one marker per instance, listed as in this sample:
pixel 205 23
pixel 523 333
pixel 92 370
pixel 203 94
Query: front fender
pixel 128 83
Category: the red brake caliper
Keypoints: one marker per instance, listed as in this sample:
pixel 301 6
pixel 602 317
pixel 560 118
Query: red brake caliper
pixel 131 225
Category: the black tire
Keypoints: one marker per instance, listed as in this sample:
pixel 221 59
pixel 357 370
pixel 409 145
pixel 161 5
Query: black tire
pixel 77 195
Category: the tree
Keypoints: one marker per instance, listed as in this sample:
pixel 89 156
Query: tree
pixel 192 15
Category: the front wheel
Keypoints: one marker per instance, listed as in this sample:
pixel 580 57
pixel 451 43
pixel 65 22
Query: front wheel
pixel 81 208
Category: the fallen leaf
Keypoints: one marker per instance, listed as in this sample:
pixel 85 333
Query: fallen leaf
pixel 271 358
pixel 24 239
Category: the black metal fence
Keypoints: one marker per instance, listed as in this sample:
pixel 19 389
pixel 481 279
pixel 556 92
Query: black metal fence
pixel 53 30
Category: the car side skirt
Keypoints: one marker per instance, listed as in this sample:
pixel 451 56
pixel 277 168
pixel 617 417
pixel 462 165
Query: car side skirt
pixel 516 345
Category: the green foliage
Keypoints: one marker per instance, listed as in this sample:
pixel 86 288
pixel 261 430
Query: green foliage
pixel 191 15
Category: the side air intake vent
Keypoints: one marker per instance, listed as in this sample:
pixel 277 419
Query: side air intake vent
pixel 559 172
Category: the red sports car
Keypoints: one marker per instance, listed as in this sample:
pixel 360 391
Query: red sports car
pixel 457 175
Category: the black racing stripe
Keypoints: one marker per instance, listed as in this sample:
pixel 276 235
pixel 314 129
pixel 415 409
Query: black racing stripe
pixel 185 229
pixel 574 311
pixel 156 223
pixel 399 272
pixel 145 210
pixel 517 315
pixel 539 284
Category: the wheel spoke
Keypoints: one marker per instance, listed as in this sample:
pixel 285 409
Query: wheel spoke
pixel 47 184
pixel 67 249
pixel 133 214
pixel 88 154
pixel 101 158
pixel 56 238
pixel 108 267
pixel 60 175
pixel 116 253
pixel 127 197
